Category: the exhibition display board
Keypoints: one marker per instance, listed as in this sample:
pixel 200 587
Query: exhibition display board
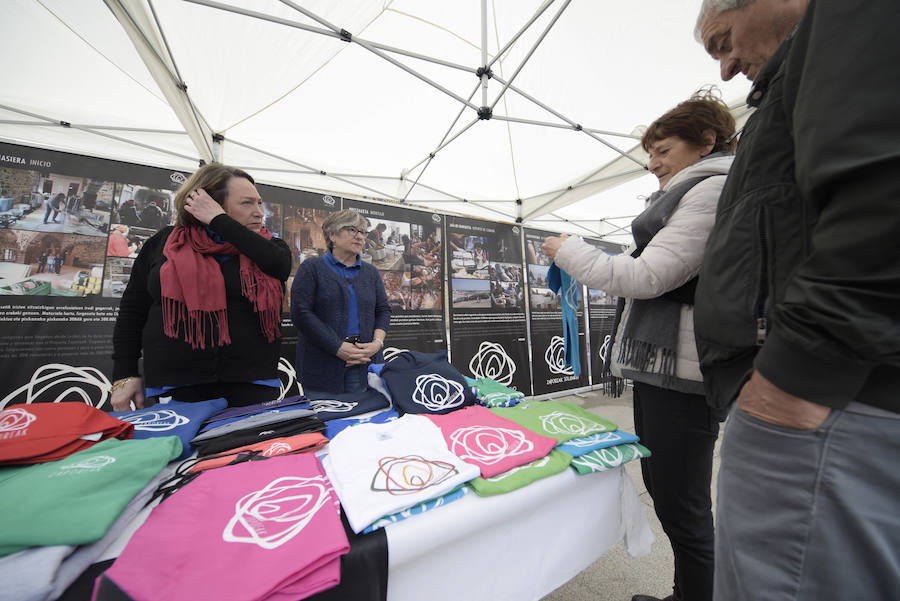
pixel 71 227
pixel 488 330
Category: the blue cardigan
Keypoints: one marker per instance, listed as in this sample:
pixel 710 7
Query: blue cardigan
pixel 319 308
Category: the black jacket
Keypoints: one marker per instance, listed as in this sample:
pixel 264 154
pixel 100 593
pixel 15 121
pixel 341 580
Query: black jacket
pixel 171 361
pixel 801 278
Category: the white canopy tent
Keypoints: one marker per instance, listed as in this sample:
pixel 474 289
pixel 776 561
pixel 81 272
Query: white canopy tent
pixel 378 99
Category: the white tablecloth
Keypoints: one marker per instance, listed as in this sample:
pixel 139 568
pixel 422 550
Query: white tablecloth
pixel 517 546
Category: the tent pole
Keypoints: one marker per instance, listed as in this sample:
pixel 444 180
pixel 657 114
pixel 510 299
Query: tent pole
pixel 345 35
pixel 160 64
pixel 524 28
pixel 484 53
pixel 590 231
pixel 564 126
pixel 326 32
pixel 319 171
pixel 531 52
pixel 580 184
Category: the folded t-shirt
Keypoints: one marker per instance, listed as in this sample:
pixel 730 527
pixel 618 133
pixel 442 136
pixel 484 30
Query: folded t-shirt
pixel 334 426
pixel 41 432
pixel 609 458
pixel 581 446
pixel 330 406
pixel 425 383
pixel 493 443
pixel 559 419
pixel 171 419
pixel 523 475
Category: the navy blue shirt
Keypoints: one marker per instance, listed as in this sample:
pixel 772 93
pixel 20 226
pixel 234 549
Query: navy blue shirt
pixel 348 273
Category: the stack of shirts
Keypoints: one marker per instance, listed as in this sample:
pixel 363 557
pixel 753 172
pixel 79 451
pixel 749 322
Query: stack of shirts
pixel 75 500
pixel 381 469
pixel 269 530
pixel 491 393
pixel 52 431
pixel 300 443
pixel 425 383
pixel 347 404
pixel 172 419
pixel 250 427
pixel 608 458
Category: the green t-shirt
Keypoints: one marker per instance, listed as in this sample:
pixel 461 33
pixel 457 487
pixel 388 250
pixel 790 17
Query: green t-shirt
pixel 601 460
pixel 75 500
pixel 518 477
pixel 557 419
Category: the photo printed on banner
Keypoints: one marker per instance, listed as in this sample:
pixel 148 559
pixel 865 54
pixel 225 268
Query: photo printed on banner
pixel 488 332
pixel 601 317
pixel 550 337
pixel 406 246
pixel 68 238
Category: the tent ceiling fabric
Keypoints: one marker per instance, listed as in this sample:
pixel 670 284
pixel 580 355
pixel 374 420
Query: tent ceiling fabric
pixel 292 102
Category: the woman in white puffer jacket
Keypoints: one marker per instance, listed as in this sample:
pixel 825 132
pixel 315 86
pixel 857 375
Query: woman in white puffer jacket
pixel 690 153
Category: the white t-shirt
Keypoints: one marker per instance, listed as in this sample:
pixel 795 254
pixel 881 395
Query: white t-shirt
pixel 380 469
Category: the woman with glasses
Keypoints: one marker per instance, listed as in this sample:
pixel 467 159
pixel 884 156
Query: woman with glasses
pixel 341 311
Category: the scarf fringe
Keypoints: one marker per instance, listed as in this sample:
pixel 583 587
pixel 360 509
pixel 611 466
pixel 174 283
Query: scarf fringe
pixel 195 324
pixel 642 356
pixel 270 318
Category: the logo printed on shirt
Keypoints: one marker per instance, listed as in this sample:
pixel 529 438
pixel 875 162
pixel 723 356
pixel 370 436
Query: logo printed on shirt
pixel 13 422
pixel 409 474
pixel 94 463
pixel 435 392
pixel 566 423
pixel 537 464
pixel 277 448
pixel 594 439
pixel 555 357
pixel 156 421
pixel 275 514
pixel 332 405
pixel 488 445
pixel 492 361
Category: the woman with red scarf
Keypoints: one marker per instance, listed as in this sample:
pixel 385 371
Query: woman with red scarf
pixel 204 300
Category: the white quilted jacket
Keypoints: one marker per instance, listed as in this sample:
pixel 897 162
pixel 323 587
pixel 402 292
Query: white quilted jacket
pixel 671 259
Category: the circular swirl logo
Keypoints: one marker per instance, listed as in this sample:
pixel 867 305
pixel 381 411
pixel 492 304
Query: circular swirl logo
pixel 14 420
pixel 559 422
pixel 555 357
pixel 272 516
pixel 156 421
pixel 436 393
pixel 409 474
pixel 93 463
pixel 492 361
pixel 488 445
pixel 332 406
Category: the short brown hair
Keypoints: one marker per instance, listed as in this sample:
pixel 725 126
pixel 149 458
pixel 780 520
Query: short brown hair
pixel 341 219
pixel 702 112
pixel 214 179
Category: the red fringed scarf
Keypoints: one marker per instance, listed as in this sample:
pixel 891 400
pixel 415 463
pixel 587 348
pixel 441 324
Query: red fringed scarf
pixel 193 289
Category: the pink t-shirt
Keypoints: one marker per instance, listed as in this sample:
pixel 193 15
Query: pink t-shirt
pixel 263 530
pixel 493 443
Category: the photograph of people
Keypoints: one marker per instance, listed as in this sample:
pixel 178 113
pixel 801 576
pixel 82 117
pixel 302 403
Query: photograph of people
pixel 341 310
pixel 57 203
pixel 690 150
pixel 118 241
pixel 46 264
pixel 469 256
pixel 203 303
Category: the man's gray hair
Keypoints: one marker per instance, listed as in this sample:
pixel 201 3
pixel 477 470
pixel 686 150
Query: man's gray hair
pixel 717 6
pixel 341 219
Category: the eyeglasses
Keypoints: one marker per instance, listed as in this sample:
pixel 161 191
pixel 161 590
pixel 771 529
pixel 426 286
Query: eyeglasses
pixel 353 231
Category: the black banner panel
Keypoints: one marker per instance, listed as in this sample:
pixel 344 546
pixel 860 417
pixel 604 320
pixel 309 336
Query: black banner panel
pixel 406 246
pixel 488 332
pixel 601 317
pixel 70 228
pixel 548 345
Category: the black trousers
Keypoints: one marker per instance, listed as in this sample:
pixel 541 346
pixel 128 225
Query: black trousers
pixel 680 430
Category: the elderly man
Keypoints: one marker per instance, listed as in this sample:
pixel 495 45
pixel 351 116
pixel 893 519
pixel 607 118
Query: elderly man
pixel 798 307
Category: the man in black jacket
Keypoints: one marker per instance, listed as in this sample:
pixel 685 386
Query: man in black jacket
pixel 797 314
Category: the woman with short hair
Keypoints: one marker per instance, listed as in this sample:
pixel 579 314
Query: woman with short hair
pixel 690 150
pixel 341 310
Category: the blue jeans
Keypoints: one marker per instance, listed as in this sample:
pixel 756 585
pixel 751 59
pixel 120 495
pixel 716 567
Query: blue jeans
pixel 354 377
pixel 808 515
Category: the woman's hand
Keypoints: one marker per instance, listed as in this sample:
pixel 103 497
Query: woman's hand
pixel 201 205
pixel 131 390
pixel 551 245
pixel 352 355
pixel 369 348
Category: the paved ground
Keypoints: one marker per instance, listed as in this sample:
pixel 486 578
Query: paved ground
pixel 616 576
